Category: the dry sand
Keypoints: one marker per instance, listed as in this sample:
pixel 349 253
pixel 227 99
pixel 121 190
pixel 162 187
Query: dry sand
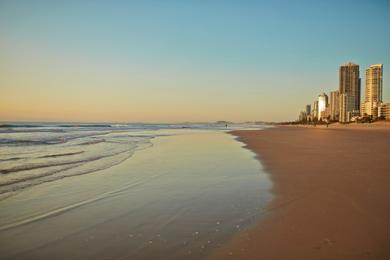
pixel 332 188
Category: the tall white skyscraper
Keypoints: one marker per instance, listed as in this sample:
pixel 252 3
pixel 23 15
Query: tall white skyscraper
pixel 322 104
pixel 374 89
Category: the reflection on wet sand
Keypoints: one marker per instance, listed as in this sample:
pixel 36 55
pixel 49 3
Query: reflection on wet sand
pixel 183 197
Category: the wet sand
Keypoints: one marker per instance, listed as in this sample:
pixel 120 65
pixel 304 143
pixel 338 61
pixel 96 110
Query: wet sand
pixel 180 198
pixel 332 188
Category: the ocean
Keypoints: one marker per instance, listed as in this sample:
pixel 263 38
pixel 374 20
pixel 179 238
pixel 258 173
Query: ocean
pixel 130 191
pixel 31 154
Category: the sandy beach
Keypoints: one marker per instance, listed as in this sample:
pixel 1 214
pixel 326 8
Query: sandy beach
pixel 332 194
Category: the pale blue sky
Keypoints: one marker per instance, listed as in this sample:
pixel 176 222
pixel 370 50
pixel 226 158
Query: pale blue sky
pixel 182 60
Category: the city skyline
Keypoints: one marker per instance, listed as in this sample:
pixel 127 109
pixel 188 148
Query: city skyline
pixel 194 61
pixel 350 103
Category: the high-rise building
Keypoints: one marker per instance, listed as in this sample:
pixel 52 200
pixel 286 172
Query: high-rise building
pixel 384 111
pixel 346 108
pixel 314 112
pixel 308 109
pixel 322 105
pixel 302 116
pixel 374 88
pixel 334 105
pixel 349 86
pixel 349 82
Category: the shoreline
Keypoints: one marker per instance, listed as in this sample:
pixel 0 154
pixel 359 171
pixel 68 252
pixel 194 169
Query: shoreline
pixel 331 188
pixel 385 124
pixel 179 199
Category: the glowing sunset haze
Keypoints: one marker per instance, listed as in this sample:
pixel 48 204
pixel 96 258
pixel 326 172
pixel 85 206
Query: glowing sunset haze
pixel 179 61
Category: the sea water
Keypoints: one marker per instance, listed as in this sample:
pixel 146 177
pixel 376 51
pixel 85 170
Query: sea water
pixel 125 191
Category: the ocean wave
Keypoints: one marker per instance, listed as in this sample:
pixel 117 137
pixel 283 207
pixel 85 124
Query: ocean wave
pixel 37 166
pixel 44 138
pixel 12 159
pixel 47 163
pixel 27 167
pixel 93 142
pixel 60 154
pixel 9 188
pixel 10 142
pixel 54 125
pixel 19 125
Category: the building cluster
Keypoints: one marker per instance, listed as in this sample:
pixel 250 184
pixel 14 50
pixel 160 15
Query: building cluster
pixel 344 105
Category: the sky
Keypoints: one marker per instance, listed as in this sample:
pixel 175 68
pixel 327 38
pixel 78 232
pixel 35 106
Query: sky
pixel 181 61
